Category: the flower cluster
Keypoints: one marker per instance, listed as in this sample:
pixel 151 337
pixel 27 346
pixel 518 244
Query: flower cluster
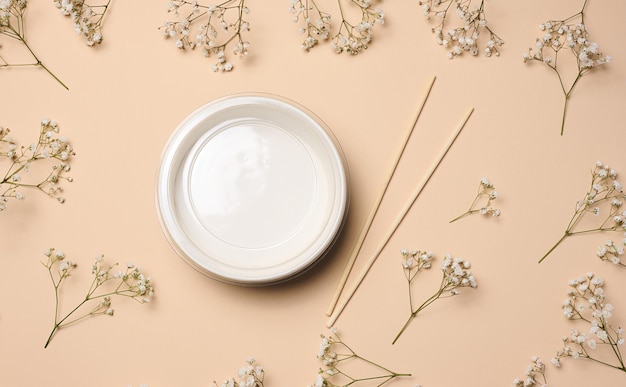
pixel 571 35
pixel 605 196
pixel 333 352
pixel 351 37
pixel 586 302
pixel 316 22
pixel 249 376
pixel 535 374
pixel 12 26
pixel 486 193
pixel 87 19
pixel 465 36
pixel 455 274
pixel 612 252
pixel 218 27
pixel 50 148
pixel 108 281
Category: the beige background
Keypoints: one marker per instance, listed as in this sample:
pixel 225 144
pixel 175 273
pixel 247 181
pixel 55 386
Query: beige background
pixel 127 96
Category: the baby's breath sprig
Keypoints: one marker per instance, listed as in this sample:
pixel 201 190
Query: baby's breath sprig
pixel 108 281
pixel 456 274
pixel 586 302
pixel 353 38
pixel 461 38
pixel 535 374
pixel 51 148
pixel 571 35
pixel 225 20
pixel 605 195
pixel 487 191
pixel 333 352
pixel 87 19
pixel 12 26
pixel 612 252
pixel 350 37
pixel 316 22
pixel 251 375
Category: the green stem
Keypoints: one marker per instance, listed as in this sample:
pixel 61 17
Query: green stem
pixel 406 324
pixel 606 364
pixel 565 235
pixel 391 373
pixel 38 62
pixel 567 96
pixel 463 215
pixel 58 324
pixel 616 351
pixel 413 314
pixel 388 377
pixel 564 113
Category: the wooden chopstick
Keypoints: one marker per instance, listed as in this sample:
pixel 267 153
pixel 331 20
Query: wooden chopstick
pixel 333 318
pixel 370 218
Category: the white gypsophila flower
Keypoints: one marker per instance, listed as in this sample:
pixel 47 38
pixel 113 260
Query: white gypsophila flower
pixel 604 200
pixel 219 26
pixel 586 293
pixel 568 35
pixel 466 32
pixel 132 284
pixel 456 274
pixel 340 352
pixel 48 147
pixel 86 18
pixel 482 201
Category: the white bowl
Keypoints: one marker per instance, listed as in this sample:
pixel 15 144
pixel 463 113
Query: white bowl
pixel 252 189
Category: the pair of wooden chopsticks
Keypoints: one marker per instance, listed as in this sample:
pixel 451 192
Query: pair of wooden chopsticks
pixel 335 310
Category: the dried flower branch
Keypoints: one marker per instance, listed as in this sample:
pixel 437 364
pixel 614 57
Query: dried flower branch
pixel 12 26
pixel 353 38
pixel 455 275
pixel 612 252
pixel 605 195
pixel 87 19
pixel 316 22
pixel 108 281
pixel 586 302
pixel 226 17
pixel 50 148
pixel 350 38
pixel 535 374
pixel 487 191
pixel 572 35
pixel 333 352
pixel 249 376
pixel 461 38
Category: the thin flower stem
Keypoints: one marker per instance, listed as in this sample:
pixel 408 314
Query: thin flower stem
pixel 469 211
pixel 58 324
pixel 381 367
pixel 616 351
pixel 414 313
pixel 410 294
pixel 346 353
pixel 607 364
pixel 463 215
pixel 567 97
pixel 565 235
pixel 564 114
pixel 38 62
pixel 387 378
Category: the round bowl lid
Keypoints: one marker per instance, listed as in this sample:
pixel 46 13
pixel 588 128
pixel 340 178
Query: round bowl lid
pixel 252 189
